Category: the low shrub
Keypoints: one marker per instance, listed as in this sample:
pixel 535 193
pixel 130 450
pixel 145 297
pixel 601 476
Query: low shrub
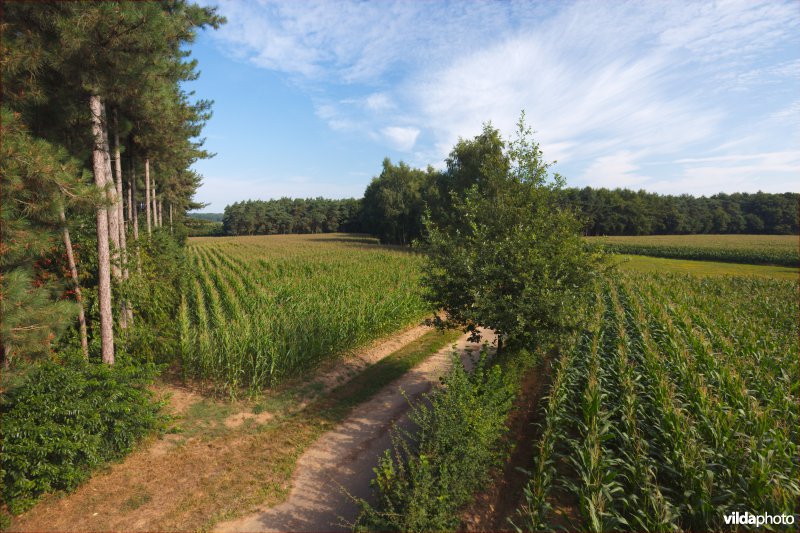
pixel 66 419
pixel 429 475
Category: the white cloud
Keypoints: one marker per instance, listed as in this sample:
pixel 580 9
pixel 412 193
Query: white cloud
pixel 742 172
pixel 401 138
pixel 379 102
pixel 610 87
pixel 222 191
pixel 617 170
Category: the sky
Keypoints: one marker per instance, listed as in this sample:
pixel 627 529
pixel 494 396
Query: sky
pixel 671 97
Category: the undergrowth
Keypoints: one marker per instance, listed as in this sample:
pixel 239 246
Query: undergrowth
pixel 64 420
pixel 431 473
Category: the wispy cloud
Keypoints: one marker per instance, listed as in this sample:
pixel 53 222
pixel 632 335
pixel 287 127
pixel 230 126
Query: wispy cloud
pixel 401 138
pixel 612 88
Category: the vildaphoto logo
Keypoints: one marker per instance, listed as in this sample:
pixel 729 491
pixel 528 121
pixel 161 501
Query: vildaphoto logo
pixel 748 519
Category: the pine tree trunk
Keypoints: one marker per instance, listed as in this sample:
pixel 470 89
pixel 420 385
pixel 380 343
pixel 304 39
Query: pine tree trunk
pixel 121 255
pixel 131 225
pixel 113 203
pixel 74 274
pixel 130 199
pixel 123 245
pixel 99 156
pixel 160 213
pixel 135 207
pixel 170 219
pixel 134 203
pixel 147 193
pixel 155 206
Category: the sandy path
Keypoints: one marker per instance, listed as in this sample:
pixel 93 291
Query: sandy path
pixel 344 457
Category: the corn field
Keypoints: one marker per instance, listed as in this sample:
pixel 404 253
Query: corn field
pixel 258 309
pixel 677 405
pixel 779 250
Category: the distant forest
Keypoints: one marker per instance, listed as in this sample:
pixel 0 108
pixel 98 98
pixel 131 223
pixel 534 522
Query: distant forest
pixel 605 212
pixel 298 215
pixel 211 217
pixel 396 201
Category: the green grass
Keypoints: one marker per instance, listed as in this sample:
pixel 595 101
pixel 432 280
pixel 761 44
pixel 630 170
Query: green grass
pixel 642 263
pixel 752 249
pixel 758 242
pixel 205 419
pixel 372 379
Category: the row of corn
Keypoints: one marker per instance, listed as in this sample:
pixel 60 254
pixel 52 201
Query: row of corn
pixel 677 405
pixel 258 310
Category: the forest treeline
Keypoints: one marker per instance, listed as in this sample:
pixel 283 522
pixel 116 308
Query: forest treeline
pixel 287 215
pixel 396 201
pixel 98 138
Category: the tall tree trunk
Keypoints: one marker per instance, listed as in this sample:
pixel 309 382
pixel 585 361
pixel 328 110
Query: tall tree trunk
pixel 155 206
pixel 160 212
pixel 135 204
pixel 131 223
pixel 113 203
pixel 121 250
pixel 74 274
pixel 170 219
pixel 6 356
pixel 130 198
pixel 123 245
pixel 99 155
pixel 147 193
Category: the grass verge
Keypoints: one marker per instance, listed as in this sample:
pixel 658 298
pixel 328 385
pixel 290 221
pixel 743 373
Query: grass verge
pixel 641 263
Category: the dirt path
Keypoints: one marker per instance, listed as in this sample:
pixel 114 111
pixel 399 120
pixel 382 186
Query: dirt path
pixel 225 459
pixel 342 459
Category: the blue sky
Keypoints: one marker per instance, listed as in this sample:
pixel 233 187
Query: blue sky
pixel 672 97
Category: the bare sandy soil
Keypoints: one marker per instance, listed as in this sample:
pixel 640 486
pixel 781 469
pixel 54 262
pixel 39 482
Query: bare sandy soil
pixel 337 468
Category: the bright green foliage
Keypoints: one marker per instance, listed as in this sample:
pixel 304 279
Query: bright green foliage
pixel 512 260
pixel 424 481
pixel 395 201
pixel 749 249
pixel 64 420
pixel 673 408
pixel 257 309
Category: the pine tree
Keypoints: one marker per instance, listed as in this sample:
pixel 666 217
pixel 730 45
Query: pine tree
pixel 65 63
pixel 34 177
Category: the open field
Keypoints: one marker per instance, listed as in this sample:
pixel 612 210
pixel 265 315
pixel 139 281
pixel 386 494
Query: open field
pixel 673 408
pixel 643 263
pixel 750 249
pixel 259 309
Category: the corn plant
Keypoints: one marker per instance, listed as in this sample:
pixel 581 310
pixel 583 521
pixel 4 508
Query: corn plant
pixel 264 308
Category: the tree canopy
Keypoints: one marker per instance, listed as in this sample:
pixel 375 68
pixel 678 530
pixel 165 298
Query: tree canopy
pixel 510 259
